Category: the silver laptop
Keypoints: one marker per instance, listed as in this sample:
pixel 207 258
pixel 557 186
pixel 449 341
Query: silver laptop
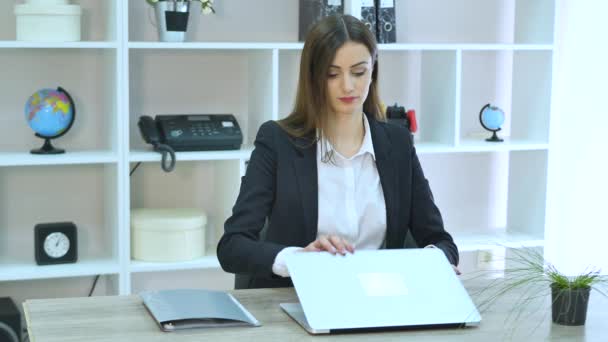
pixel 377 289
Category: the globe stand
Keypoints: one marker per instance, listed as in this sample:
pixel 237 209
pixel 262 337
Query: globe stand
pixel 494 138
pixel 47 148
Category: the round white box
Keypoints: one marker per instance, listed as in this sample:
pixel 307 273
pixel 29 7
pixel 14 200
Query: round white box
pixel 53 22
pixel 167 235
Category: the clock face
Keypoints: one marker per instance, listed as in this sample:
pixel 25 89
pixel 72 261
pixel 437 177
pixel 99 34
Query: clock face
pixel 56 245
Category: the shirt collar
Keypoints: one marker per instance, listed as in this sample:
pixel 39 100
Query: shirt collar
pixel 366 147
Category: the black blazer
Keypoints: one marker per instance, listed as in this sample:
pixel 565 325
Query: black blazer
pixel 279 191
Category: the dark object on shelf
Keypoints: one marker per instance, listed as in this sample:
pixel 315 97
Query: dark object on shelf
pixel 387 29
pixel 55 243
pixel 10 321
pixel 196 132
pixel 368 15
pixel 190 132
pixel 397 114
pixel 491 118
pixel 311 11
pixel 50 113
pixel 569 306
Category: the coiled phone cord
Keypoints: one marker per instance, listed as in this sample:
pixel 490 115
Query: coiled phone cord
pixel 165 150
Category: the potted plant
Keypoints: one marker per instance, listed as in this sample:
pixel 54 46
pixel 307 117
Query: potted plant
pixel 173 19
pixel 535 277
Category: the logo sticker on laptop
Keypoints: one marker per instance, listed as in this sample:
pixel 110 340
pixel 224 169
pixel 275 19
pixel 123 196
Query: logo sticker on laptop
pixel 383 284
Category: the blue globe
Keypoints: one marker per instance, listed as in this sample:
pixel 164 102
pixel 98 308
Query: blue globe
pixel 492 118
pixel 49 112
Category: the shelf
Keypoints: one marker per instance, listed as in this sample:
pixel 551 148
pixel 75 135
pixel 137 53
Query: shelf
pixel 151 156
pixel 25 271
pixel 68 158
pixel 12 44
pixel 201 263
pixel 477 240
pixel 480 145
pixel 446 67
pixel 298 46
pixel 472 146
pixel 215 45
pixel 464 47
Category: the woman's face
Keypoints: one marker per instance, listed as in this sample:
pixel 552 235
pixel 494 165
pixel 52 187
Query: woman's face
pixel 348 79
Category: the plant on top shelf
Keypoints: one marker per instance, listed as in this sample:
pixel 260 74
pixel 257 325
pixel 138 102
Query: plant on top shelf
pixel 536 277
pixel 206 5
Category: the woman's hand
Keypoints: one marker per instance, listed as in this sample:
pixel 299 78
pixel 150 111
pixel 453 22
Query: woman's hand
pixel 330 243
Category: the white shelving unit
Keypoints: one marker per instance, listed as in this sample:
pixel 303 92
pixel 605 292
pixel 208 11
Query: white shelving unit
pixel 472 52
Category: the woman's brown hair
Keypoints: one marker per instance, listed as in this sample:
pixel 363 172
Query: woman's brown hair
pixel 311 107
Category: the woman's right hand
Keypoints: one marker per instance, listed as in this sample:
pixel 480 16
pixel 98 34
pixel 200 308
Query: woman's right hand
pixel 330 243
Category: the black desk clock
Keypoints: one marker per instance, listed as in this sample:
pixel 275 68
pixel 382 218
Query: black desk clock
pixel 55 243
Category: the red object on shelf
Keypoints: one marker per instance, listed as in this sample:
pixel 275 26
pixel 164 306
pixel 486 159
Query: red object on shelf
pixel 411 117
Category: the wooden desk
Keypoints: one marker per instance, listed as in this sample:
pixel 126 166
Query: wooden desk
pixel 124 318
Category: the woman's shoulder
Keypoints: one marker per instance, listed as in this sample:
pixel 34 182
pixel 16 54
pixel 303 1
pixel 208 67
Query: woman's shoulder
pixel 271 128
pixel 393 130
pixel 273 133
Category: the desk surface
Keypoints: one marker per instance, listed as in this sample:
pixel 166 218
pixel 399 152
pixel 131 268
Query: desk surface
pixel 124 318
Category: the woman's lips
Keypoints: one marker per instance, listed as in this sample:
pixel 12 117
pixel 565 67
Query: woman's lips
pixel 348 99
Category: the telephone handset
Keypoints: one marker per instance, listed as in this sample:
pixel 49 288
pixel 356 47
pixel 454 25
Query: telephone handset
pixel 148 130
pixel 150 133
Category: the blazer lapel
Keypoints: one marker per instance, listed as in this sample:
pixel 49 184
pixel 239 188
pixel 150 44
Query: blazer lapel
pixel 385 163
pixel 305 167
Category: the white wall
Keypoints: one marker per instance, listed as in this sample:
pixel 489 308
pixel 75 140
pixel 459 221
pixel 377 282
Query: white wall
pixel 577 229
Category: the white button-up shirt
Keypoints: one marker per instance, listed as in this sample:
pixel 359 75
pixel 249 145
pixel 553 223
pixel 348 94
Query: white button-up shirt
pixel 351 201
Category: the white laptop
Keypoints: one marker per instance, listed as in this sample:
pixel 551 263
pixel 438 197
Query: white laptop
pixel 377 289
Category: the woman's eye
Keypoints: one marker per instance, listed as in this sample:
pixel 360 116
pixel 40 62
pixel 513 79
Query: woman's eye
pixel 332 75
pixel 360 73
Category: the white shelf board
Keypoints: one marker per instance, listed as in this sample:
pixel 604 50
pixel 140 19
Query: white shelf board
pixel 70 157
pixel 12 44
pixel 23 270
pixel 200 263
pixel 468 146
pixel 152 156
pixel 480 145
pixel 216 45
pixel 489 239
pixel 300 45
pixel 464 47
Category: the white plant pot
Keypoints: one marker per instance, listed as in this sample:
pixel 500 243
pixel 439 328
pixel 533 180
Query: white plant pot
pixel 48 21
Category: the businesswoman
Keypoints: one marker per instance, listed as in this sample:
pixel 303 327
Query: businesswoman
pixel 333 175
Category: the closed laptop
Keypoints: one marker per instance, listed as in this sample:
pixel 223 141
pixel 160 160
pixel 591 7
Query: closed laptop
pixel 377 289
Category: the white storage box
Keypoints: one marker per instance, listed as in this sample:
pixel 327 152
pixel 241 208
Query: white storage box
pixel 48 21
pixel 167 235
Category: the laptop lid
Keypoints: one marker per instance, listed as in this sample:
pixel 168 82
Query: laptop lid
pixel 379 288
